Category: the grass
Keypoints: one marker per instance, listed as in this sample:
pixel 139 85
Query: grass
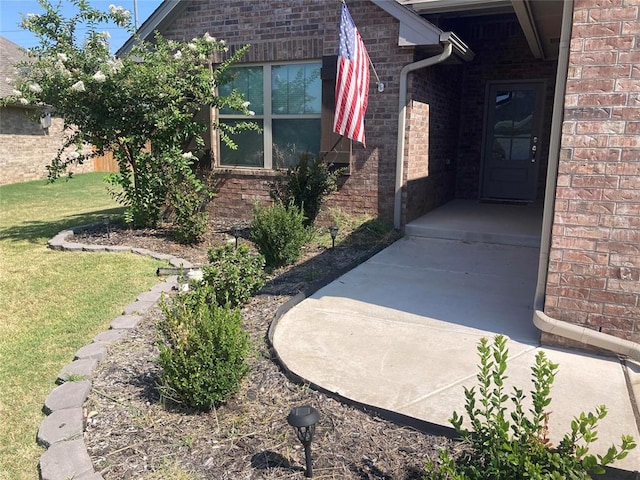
pixel 51 303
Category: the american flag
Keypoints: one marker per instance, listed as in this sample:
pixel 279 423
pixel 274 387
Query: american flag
pixel 352 81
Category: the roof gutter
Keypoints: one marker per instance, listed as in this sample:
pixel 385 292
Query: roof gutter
pixel 542 321
pixel 450 42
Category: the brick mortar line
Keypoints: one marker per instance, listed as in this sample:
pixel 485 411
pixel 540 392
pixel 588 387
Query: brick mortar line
pixel 67 456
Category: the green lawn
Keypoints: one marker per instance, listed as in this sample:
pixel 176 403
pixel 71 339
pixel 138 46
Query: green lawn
pixel 51 303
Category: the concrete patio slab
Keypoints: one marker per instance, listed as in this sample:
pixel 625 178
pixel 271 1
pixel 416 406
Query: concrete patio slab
pixel 400 331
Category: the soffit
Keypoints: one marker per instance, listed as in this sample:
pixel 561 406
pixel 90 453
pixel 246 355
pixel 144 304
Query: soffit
pixel 540 20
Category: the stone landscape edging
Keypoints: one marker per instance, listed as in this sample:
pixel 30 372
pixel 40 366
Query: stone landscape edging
pixel 61 432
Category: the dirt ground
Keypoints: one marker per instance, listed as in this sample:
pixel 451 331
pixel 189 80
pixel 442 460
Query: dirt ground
pixel 131 433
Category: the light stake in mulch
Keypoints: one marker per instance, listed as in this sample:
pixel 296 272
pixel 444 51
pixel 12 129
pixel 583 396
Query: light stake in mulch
pixel 235 230
pixel 107 223
pixel 333 231
pixel 304 420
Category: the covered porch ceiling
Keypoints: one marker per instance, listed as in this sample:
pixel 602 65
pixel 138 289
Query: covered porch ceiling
pixel 540 20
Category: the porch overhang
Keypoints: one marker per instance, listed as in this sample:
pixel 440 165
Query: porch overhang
pixel 539 20
pixel 416 31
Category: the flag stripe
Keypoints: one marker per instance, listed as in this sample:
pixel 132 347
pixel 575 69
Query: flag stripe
pixel 352 81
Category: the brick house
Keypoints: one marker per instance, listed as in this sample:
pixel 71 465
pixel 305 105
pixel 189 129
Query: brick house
pixel 530 101
pixel 27 145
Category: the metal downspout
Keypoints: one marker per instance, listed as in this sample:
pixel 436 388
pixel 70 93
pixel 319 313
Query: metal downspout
pixel 402 117
pixel 542 321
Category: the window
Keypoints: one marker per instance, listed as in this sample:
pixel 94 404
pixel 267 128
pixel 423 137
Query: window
pixel 287 101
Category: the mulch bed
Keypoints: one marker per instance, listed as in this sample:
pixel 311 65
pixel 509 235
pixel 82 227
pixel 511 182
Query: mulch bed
pixel 131 433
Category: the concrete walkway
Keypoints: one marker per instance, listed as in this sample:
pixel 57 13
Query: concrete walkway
pixel 400 331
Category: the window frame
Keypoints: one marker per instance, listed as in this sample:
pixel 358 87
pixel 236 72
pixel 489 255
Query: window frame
pixel 267 117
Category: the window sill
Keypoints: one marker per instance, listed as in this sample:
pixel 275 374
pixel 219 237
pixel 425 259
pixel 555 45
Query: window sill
pixel 246 171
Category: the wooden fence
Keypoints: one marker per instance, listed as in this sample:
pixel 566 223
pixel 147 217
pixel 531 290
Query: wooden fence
pixel 105 163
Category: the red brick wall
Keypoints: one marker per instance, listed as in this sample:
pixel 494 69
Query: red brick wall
pixel 433 119
pixel 594 270
pixel 26 149
pixel 281 30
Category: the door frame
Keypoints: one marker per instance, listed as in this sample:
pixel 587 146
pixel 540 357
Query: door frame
pixel 542 83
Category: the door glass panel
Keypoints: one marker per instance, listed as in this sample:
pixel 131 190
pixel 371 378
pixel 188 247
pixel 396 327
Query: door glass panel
pixel 513 124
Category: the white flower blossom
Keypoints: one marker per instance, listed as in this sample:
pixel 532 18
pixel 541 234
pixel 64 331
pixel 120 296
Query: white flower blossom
pixel 78 86
pixel 246 104
pixel 251 113
pixel 62 57
pixel 178 55
pixel 35 88
pixel 223 42
pixel 115 65
pixel 208 38
pixel 187 155
pixel 226 49
pixel 106 35
pixel 99 77
pixel 23 101
pixel 192 46
pixel 74 155
pixel 16 93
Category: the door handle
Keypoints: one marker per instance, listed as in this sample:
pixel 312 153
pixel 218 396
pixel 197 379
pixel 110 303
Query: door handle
pixel 534 149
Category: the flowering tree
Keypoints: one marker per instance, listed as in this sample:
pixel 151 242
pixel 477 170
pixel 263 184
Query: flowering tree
pixel 151 96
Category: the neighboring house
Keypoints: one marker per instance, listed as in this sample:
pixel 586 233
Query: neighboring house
pixel 501 100
pixel 27 144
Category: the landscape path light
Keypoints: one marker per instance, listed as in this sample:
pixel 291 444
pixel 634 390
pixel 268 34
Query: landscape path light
pixel 235 230
pixel 107 223
pixel 333 231
pixel 304 420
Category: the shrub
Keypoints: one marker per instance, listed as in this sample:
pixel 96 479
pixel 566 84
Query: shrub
pixel 279 233
pixel 233 274
pixel 306 185
pixel 497 448
pixel 202 350
pixel 187 197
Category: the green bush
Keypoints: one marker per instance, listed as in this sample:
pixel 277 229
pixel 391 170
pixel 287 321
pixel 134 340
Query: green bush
pixel 202 350
pixel 306 185
pixel 279 233
pixel 501 448
pixel 233 274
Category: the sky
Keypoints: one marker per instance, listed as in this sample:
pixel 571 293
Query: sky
pixel 10 18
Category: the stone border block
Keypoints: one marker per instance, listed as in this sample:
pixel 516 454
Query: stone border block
pixel 111 336
pixel 180 263
pixel 127 322
pixel 83 368
pixel 61 425
pixel 161 256
pixel 149 296
pixel 73 247
pixel 67 395
pixel 137 307
pixel 117 249
pixel 142 251
pixel 95 350
pixel 94 248
pixel 65 460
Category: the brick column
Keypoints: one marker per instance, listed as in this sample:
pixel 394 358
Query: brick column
pixel 594 269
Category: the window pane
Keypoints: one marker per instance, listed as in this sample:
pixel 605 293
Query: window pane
pixel 248 81
pixel 250 152
pixel 296 89
pixel 291 138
